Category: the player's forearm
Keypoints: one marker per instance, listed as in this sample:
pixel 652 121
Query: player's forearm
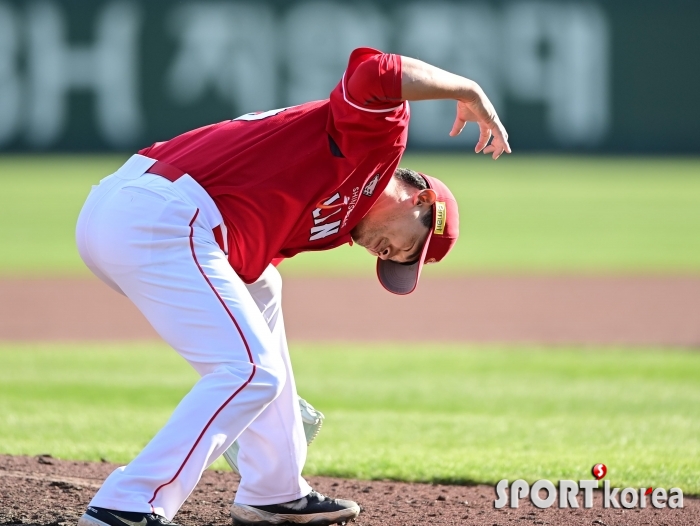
pixel 421 81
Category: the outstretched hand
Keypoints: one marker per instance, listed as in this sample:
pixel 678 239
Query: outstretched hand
pixel 481 111
pixel 421 81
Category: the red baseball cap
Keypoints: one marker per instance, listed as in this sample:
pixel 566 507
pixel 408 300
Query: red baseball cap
pixel 400 278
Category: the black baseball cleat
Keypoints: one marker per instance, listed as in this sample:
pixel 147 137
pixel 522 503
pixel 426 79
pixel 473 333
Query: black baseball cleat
pixel 95 516
pixel 314 509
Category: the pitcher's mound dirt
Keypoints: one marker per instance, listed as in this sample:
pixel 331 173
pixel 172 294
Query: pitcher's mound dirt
pixel 46 491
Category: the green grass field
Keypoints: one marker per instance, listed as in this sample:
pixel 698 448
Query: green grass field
pixel 522 214
pixel 457 413
pixel 453 413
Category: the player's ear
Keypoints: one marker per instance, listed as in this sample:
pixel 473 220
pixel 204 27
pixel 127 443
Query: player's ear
pixel 425 197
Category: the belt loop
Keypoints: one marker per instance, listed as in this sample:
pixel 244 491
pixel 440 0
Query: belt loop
pixel 221 237
pixel 194 193
pixel 166 170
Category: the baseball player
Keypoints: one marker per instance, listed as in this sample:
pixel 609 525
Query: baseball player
pixel 191 229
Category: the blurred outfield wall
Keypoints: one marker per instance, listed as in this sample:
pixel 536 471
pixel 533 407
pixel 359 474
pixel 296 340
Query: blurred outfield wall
pixel 619 75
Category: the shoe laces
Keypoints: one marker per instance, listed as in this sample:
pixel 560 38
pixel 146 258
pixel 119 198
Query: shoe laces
pixel 301 503
pixel 162 520
pixel 315 494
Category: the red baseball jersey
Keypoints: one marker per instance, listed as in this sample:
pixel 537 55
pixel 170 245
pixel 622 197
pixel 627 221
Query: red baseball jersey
pixel 300 178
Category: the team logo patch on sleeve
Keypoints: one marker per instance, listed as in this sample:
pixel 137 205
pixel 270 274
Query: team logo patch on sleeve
pixel 440 216
pixel 368 190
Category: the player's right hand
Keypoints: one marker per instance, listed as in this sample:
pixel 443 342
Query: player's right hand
pixel 480 110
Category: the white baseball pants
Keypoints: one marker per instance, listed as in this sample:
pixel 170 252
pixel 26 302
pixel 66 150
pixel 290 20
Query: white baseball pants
pixel 151 239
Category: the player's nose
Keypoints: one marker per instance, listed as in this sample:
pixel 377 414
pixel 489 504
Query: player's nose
pixel 385 254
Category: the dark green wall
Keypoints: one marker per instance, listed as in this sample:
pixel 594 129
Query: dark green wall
pixel 615 76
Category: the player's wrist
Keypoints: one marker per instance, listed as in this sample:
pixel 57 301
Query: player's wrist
pixel 470 92
pixel 479 104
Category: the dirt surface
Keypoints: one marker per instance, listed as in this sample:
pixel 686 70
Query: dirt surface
pixel 549 310
pixel 592 310
pixel 46 491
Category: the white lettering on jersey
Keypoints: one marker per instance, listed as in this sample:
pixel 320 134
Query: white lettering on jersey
pixel 352 204
pixel 260 115
pixel 324 218
pixel 319 232
pixel 330 206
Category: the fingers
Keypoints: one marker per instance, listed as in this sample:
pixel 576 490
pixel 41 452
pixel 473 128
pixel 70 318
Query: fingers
pixel 493 138
pixel 501 135
pixel 457 127
pixel 496 149
pixel 499 144
pixel 484 137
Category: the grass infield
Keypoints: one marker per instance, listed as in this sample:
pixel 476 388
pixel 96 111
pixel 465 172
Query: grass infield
pixel 451 413
pixel 532 214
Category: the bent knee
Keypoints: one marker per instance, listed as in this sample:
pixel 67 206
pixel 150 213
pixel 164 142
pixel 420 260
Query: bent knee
pixel 270 380
pixel 267 381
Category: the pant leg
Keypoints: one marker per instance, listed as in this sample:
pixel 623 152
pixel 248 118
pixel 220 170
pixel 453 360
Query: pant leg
pixel 267 457
pixel 146 241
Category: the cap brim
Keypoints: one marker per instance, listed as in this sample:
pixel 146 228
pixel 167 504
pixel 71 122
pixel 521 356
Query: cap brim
pixel 399 278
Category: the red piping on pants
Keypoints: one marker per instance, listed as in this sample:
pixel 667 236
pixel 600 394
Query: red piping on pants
pixel 250 357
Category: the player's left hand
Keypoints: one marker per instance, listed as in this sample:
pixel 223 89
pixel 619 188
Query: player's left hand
pixel 481 111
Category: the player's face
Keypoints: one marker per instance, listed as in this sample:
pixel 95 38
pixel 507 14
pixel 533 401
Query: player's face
pixel 393 227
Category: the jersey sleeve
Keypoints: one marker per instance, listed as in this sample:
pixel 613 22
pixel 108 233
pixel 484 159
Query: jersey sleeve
pixel 366 108
pixel 373 79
